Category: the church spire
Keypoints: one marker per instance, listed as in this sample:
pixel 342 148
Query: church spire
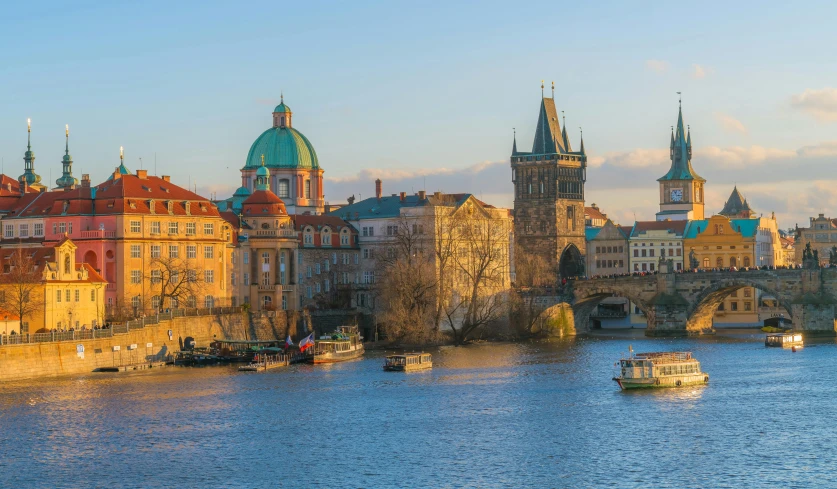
pixel 514 144
pixel 581 150
pixel 66 180
pixel 564 138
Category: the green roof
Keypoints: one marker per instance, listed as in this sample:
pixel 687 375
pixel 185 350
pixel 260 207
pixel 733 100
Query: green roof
pixel 747 227
pixel 282 147
pixel 282 108
pixel 591 232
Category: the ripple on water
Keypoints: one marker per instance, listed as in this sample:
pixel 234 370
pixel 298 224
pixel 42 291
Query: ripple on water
pixel 539 414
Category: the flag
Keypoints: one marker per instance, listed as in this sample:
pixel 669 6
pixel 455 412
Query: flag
pixel 307 342
pixel 288 342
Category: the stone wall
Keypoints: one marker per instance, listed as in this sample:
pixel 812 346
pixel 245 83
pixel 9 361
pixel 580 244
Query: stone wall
pixel 18 362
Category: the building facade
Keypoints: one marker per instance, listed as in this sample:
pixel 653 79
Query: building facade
pixel 549 196
pixel 607 250
pixel 649 241
pixel 821 234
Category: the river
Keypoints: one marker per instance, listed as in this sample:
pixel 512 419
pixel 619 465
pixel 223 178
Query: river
pixel 538 414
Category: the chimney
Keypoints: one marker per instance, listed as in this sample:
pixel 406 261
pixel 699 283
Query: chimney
pixel 422 195
pixel 403 196
pixel 24 186
pixel 142 174
pixel 85 180
pixel 44 189
pixel 166 178
pixel 378 188
pixel 116 175
pixel 437 194
pixel 594 206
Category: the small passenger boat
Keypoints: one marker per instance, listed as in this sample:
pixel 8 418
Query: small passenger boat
pixel 342 345
pixel 660 369
pixel 783 340
pixel 408 362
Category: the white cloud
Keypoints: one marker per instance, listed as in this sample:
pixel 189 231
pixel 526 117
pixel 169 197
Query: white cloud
pixel 820 104
pixel 699 71
pixel 740 156
pixel 636 158
pixel 730 124
pixel 656 65
pixel 824 149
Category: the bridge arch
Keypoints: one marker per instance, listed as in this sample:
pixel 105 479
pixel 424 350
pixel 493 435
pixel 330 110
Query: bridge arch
pixel 701 311
pixel 587 298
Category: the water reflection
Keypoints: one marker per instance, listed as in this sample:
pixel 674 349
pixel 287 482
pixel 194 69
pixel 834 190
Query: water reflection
pixel 536 414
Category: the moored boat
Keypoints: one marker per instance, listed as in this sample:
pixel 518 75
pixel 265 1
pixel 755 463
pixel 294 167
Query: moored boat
pixel 783 340
pixel 344 344
pixel 408 362
pixel 660 369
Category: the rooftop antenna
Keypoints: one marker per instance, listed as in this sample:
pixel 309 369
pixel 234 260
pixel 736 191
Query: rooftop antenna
pixel 553 90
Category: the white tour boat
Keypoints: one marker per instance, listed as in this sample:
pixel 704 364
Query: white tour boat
pixel 660 369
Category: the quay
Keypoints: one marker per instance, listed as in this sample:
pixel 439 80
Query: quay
pixel 136 366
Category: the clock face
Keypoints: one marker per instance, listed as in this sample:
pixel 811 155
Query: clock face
pixel 676 195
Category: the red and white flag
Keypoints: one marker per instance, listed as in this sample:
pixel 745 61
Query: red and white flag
pixel 307 342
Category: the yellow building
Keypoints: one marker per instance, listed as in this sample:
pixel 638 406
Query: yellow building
pixel 49 290
pixel 721 243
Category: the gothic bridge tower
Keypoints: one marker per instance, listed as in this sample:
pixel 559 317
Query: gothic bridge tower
pixel 549 195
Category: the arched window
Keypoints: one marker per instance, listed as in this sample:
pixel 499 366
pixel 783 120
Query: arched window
pixel 267 301
pixel 719 262
pixel 746 261
pixel 733 262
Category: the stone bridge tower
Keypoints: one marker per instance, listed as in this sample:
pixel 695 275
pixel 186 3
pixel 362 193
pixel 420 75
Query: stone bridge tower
pixel 549 195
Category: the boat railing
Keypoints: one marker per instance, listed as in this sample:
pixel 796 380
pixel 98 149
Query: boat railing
pixel 674 356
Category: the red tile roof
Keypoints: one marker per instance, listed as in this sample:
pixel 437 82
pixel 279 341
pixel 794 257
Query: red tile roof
pixel 594 213
pixel 263 202
pixel 302 220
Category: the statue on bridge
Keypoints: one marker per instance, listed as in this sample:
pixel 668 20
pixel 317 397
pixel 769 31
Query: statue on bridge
pixel 693 261
pixel 832 256
pixel 810 258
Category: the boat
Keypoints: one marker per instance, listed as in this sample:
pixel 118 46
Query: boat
pixel 660 369
pixel 783 340
pixel 266 359
pixel 408 362
pixel 344 344
pixel 240 351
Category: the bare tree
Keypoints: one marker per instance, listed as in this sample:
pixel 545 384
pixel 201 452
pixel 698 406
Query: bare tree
pixel 175 283
pixel 22 285
pixel 407 289
pixel 534 278
pixel 479 293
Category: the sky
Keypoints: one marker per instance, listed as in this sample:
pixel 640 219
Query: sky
pixel 425 94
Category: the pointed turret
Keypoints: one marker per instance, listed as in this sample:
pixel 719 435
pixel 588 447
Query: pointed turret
pixel 29 176
pixel 581 149
pixel 548 131
pixel 736 206
pixel 689 141
pixel 121 169
pixel 681 165
pixel 566 140
pixel 514 143
pixel 67 181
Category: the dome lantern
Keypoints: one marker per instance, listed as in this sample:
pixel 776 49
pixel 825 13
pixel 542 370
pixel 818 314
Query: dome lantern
pixel 282 114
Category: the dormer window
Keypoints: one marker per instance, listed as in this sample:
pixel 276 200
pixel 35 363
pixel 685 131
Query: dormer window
pixel 170 207
pixel 187 206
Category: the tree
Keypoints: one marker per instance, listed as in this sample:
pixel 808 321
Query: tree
pixel 406 291
pixel 175 283
pixel 22 285
pixel 480 267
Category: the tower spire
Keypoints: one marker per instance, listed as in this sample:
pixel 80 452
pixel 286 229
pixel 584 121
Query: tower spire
pixel 553 90
pixel 514 144
pixel 581 149
pixel 66 180
pixel 541 88
pixel 29 177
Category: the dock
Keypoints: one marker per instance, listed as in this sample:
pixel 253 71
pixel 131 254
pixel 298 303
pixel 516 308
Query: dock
pixel 135 366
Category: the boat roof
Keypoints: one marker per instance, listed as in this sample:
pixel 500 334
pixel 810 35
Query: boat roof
pixel 677 356
pixel 408 355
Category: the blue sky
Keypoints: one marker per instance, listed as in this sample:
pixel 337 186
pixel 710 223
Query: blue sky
pixel 429 92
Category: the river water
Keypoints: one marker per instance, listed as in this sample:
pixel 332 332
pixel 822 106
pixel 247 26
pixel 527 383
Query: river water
pixel 540 414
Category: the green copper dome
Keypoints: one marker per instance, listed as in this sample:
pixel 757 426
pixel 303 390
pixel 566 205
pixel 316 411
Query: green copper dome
pixel 262 172
pixel 282 108
pixel 282 147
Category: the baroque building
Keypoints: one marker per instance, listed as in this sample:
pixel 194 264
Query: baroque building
pixel 295 173
pixel 549 195
pixel 681 189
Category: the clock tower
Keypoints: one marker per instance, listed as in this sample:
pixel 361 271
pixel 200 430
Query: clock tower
pixel 681 189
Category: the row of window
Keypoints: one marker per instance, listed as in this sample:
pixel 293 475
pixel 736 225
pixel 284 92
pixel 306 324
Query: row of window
pixel 733 262
pixel 173 228
pixel 610 249
pixel 650 252
pixel 308 239
pixel 174 251
pixel 733 306
pixel 23 230
pixel 174 276
pixel 68 294
pixel 610 263
pixel 649 267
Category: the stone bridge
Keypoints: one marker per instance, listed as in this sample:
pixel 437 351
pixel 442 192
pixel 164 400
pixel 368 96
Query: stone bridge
pixel 680 304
